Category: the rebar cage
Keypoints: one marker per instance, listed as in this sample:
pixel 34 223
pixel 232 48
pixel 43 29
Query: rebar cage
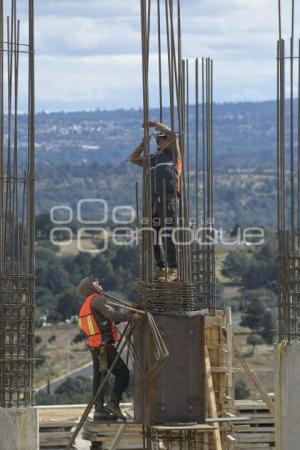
pixel 195 288
pixel 175 439
pixel 16 203
pixel 288 174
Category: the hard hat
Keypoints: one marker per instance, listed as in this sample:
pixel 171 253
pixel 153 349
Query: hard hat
pixel 88 286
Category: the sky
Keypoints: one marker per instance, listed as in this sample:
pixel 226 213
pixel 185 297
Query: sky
pixel 88 52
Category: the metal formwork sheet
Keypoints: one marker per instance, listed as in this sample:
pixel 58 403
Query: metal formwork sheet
pixel 176 394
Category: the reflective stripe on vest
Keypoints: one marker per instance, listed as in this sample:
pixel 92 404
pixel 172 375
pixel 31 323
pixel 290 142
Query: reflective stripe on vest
pixel 162 164
pixel 89 326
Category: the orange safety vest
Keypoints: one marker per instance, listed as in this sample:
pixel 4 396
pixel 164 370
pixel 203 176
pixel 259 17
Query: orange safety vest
pixel 89 326
pixel 179 167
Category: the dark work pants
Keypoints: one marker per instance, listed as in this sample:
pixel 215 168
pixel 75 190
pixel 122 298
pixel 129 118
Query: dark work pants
pixel 120 371
pixel 165 251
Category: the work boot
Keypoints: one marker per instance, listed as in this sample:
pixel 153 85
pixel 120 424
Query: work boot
pixel 113 406
pixel 160 273
pixel 172 274
pixel 101 413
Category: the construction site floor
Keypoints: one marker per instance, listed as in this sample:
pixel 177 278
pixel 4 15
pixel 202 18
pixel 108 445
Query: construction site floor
pixel 60 415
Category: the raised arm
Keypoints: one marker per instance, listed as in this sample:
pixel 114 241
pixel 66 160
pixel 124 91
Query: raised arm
pixel 161 127
pixel 100 305
pixel 136 156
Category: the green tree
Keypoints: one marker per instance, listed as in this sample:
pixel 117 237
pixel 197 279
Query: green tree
pixel 255 267
pixel 259 313
pixel 234 231
pixel 241 390
pixel 125 265
pixel 47 302
pixel 253 313
pixel 267 326
pixel 254 340
pixel 69 303
pixel 43 226
pixel 102 267
pixel 262 270
pixel 236 263
pixel 50 272
pixel 77 267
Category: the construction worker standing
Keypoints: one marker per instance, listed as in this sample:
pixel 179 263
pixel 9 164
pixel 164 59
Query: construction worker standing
pixel 166 169
pixel 97 319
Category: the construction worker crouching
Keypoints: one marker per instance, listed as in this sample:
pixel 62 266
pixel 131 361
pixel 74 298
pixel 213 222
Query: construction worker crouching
pixel 97 320
pixel 166 169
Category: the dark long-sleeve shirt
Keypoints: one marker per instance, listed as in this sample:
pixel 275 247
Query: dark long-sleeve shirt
pixel 104 314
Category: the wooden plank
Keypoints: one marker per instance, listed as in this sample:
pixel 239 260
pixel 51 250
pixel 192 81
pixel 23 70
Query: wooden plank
pixel 251 429
pixel 199 427
pixel 51 434
pixel 118 437
pixel 230 381
pixel 228 419
pixel 57 424
pixel 247 402
pixel 212 400
pixel 252 437
pixel 206 437
pixel 241 446
pixel 219 370
pixel 230 438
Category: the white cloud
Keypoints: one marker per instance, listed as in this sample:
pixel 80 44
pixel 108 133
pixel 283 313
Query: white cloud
pixel 88 52
pixel 87 82
pixel 86 36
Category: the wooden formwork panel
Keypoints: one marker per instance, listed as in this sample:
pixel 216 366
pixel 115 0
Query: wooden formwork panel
pixel 217 346
pixel 214 338
pixel 259 431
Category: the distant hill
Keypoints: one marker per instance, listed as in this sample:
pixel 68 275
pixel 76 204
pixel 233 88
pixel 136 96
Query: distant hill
pixel 83 155
pixel 243 132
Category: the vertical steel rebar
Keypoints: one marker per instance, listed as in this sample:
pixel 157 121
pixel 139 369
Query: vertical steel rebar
pixel 2 252
pixel 187 135
pixel 197 140
pixel 17 234
pixel 288 185
pixel 195 287
pixel 159 62
pixel 203 141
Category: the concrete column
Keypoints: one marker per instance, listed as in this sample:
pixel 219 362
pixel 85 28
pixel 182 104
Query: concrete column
pixel 287 396
pixel 19 429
